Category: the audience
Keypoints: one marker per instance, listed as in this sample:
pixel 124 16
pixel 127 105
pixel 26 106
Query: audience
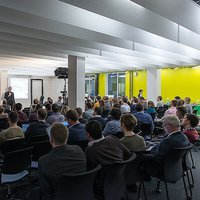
pixel 180 112
pixel 48 108
pixel 22 116
pixel 89 111
pixel 2 114
pixel 172 109
pixel 76 129
pixel 159 102
pixel 80 115
pixel 113 126
pixel 33 115
pixel 187 105
pixel 189 122
pixel 56 116
pixel 103 150
pixel 131 140
pixel 97 102
pixel 62 159
pixel 7 108
pixel 13 131
pixel 37 128
pixel 125 108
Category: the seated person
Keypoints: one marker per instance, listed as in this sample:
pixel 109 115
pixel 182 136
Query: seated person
pixel 125 108
pixel 3 115
pixel 153 163
pixel 187 104
pixel 103 150
pixel 131 140
pixel 172 109
pixel 180 112
pixel 160 103
pixel 7 108
pixel 22 116
pixel 113 126
pixel 97 116
pixel 89 111
pixel 143 117
pixel 189 122
pixel 33 115
pixel 56 116
pixel 13 131
pixel 62 159
pixel 48 108
pixel 80 115
pixel 37 128
pixel 76 129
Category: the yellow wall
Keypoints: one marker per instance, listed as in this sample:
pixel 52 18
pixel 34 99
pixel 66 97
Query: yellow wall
pixel 127 81
pixel 181 82
pixel 102 84
pixel 140 82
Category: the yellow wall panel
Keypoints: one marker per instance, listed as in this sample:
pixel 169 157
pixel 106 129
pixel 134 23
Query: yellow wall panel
pixel 140 82
pixel 102 85
pixel 127 81
pixel 181 82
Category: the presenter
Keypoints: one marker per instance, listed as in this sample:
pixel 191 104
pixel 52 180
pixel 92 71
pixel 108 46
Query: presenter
pixel 9 96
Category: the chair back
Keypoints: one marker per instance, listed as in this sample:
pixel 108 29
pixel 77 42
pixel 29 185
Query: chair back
pixel 13 144
pixel 173 169
pixel 40 138
pixel 83 182
pixel 81 143
pixel 119 134
pixel 3 124
pixel 114 185
pixel 187 162
pixel 17 161
pixel 40 149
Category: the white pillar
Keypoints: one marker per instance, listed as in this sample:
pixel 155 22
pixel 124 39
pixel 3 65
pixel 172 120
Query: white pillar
pixel 3 83
pixel 153 84
pixel 76 82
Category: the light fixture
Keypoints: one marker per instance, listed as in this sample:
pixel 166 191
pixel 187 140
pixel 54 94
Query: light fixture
pixel 196 67
pixel 176 68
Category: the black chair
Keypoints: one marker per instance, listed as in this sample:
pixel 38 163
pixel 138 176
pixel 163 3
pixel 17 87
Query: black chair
pixel 3 124
pixel 83 182
pixel 39 137
pixel 187 167
pixel 161 111
pixel 114 185
pixel 119 134
pixel 173 169
pixel 15 167
pixel 133 174
pixel 13 144
pixel 146 130
pixel 39 149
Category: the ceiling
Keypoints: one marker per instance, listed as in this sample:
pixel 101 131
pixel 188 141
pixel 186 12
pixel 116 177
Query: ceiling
pixel 36 36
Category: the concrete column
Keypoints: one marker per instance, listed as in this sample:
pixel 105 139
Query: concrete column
pixel 76 82
pixel 3 83
pixel 153 84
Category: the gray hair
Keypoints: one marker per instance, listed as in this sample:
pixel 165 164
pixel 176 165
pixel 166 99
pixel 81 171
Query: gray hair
pixel 172 120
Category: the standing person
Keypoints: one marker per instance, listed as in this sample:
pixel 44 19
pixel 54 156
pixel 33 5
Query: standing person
pixel 140 93
pixel 9 96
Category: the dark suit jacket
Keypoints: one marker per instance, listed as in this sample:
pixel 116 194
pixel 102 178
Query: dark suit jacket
pixel 64 159
pixel 34 129
pixel 76 133
pixel 10 99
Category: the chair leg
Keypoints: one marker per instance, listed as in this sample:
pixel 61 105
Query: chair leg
pixel 145 196
pixel 167 191
pixel 185 187
pixel 192 177
pixel 193 164
pixel 139 190
pixel 189 184
pixel 158 190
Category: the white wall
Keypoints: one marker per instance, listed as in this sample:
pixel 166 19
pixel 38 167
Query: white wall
pixel 52 87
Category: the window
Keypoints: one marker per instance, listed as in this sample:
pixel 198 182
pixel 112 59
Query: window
pixel 19 87
pixel 90 85
pixel 116 84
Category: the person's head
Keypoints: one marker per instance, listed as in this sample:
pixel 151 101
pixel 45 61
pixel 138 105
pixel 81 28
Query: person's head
pixel 98 98
pixel 177 97
pixel 35 101
pixel 9 88
pixel 79 111
pixel 174 103
pixel 128 122
pixel 124 99
pixel 180 102
pixel 139 107
pixel 98 111
pixel 187 100
pixel 13 117
pixel 64 110
pixel 1 109
pixel 171 123
pixel 50 100
pixel 60 98
pixel 38 106
pixel 4 102
pixel 159 98
pixel 141 99
pixel 151 104
pixel 134 100
pixel 190 121
pixel 93 129
pixel 141 91
pixel 72 117
pixel 41 113
pixel 55 108
pixel 58 134
pixel 181 111
pixel 48 106
pixel 115 113
pixel 89 105
pixel 18 106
